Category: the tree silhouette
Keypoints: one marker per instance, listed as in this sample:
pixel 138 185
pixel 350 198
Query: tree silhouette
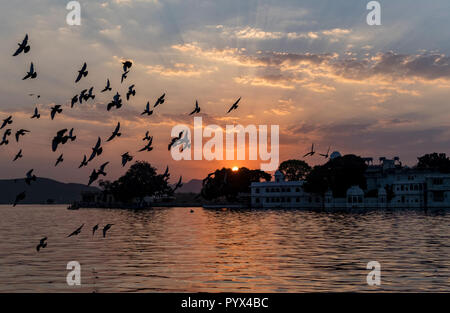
pixel 434 161
pixel 294 170
pixel 228 184
pixel 140 181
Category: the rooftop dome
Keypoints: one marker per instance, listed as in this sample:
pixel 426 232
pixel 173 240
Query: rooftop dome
pixel 382 191
pixel 335 155
pixel 355 191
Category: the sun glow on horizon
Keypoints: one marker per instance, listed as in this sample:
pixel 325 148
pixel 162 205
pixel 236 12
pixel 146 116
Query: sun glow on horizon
pixel 235 169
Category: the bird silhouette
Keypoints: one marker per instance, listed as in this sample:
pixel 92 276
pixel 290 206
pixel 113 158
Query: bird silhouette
pixel 166 172
pixel 106 228
pixel 76 232
pixel 115 133
pixel 97 150
pixel 5 140
pixel 234 106
pixel 108 86
pixel 310 153
pixel 147 136
pixel 7 121
pixel 101 170
pixel 175 139
pixel 84 162
pixel 23 46
pixel 55 109
pixel 18 155
pixel 21 196
pixel 117 102
pixel 31 73
pixel 30 177
pixel 124 76
pixel 74 100
pixel 36 114
pixel 326 155
pixel 82 73
pixel 126 157
pixel 21 132
pixel 131 92
pixel 42 244
pixel 60 138
pixel 179 184
pixel 127 65
pixel 32 94
pixel 83 96
pixel 147 109
pixel 148 147
pixel 197 108
pixel 90 94
pixel 160 100
pixel 93 177
pixel 71 135
pixel 59 160
pixel 94 229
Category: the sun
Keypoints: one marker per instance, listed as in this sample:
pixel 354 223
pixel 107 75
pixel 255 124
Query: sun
pixel 235 169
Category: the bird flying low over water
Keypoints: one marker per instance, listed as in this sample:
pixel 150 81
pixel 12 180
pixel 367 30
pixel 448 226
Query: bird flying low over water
pixel 97 150
pixel 21 132
pixel 160 100
pixel 172 142
pixel 36 114
pixel 127 65
pixel 115 133
pixel 148 147
pixel 94 229
pixel 23 46
pixel 82 73
pixel 76 232
pixel 124 76
pixel 147 109
pixel 106 228
pixel 234 106
pixel 117 102
pixel 326 155
pixel 31 73
pixel 21 196
pixel 6 121
pixel 197 108
pixel 84 162
pixel 126 157
pixel 42 244
pixel 131 92
pixel 55 109
pixel 310 153
pixel 30 177
pixel 59 160
pixel 108 86
pixel 18 155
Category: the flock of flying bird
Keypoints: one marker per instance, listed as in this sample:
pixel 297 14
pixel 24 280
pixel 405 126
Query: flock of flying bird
pixel 64 135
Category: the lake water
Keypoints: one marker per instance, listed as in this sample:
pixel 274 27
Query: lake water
pixel 173 250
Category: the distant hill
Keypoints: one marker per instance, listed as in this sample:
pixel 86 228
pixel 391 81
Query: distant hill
pixel 194 185
pixel 41 191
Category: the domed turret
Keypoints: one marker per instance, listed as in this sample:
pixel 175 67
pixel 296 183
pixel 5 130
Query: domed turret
pixel 335 155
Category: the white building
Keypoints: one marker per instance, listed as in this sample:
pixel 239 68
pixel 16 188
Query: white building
pixel 389 185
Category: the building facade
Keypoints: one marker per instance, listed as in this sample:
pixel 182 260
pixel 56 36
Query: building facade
pixel 389 186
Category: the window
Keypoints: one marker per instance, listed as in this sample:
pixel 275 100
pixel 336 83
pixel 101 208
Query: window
pixel 297 199
pixel 257 190
pixel 257 200
pixel 438 181
pixel 297 189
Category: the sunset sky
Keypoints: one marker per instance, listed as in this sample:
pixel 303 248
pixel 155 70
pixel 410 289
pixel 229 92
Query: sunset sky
pixel 315 68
